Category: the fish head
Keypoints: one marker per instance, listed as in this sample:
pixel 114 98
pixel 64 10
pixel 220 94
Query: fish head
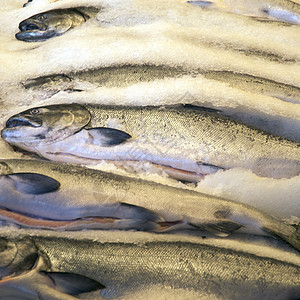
pixel 16 256
pixel 48 24
pixel 45 125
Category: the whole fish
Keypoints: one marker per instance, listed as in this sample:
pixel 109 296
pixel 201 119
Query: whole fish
pixel 184 141
pixel 154 268
pixel 68 197
pixel 45 25
pixel 125 75
pixel 281 10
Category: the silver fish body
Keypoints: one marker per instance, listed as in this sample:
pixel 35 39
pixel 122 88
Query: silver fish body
pixel 257 85
pixel 45 25
pixel 87 198
pixel 120 76
pixel 183 138
pixel 126 75
pixel 156 268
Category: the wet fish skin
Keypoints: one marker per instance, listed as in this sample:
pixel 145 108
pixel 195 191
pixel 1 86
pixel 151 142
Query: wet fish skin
pixel 202 269
pixel 24 274
pixel 86 193
pixel 183 138
pixel 126 75
pixel 45 25
pixel 119 76
pixel 257 85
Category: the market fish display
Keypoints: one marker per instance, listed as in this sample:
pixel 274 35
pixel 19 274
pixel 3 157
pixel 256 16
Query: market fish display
pixel 125 75
pixel 186 142
pixel 45 25
pixel 69 197
pixel 281 10
pixel 163 267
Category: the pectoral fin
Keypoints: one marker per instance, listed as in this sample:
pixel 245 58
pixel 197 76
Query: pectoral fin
pixel 33 183
pixel 106 137
pixel 222 228
pixel 73 284
pixel 37 284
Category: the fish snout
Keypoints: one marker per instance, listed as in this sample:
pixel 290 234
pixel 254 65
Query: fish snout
pixel 26 26
pixel 20 128
pixel 18 121
pixel 33 23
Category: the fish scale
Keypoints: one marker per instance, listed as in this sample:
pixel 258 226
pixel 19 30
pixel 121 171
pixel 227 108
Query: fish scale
pixel 183 138
pixel 222 273
pixel 110 264
pixel 221 141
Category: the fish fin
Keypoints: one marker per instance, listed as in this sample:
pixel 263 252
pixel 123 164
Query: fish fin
pixel 291 235
pixel 206 168
pixel 136 224
pixel 201 3
pixel 106 137
pixel 139 213
pixel 34 183
pixel 222 228
pixel 73 284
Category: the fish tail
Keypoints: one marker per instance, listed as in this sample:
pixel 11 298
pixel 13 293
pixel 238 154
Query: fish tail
pixel 289 233
pixel 295 238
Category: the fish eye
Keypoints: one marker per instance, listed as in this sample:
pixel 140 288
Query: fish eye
pixel 35 111
pixel 41 18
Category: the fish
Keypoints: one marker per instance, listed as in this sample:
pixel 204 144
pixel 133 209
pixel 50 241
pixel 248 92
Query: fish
pixel 114 76
pixel 126 75
pixel 164 267
pixel 280 10
pixel 48 24
pixel 185 142
pixel 64 197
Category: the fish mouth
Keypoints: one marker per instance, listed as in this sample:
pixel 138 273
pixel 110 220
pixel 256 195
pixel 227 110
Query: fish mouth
pixel 21 121
pixel 31 26
pixel 32 32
